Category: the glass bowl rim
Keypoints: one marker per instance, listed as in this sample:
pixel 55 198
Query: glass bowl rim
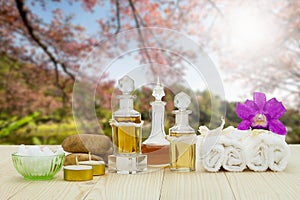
pixel 15 154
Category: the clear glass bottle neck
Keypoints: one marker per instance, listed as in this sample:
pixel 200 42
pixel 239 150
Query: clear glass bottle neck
pixel 182 123
pixel 126 103
pixel 158 112
pixel 126 107
pixel 182 118
pixel 157 135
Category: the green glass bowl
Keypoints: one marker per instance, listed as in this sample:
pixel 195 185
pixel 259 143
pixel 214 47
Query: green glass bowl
pixel 38 167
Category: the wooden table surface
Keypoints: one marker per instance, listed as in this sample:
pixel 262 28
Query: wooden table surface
pixel 159 184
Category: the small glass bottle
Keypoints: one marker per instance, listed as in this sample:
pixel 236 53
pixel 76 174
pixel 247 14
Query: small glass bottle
pixel 156 147
pixel 182 137
pixel 126 134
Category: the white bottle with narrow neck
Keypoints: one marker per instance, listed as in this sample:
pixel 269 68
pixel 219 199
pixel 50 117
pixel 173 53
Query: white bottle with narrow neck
pixel 156 147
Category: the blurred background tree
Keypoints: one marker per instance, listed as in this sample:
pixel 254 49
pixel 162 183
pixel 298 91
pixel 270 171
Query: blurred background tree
pixel 42 43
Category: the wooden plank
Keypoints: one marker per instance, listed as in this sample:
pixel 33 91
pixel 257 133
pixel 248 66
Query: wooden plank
pixel 13 185
pixel 160 184
pixel 195 185
pixel 137 186
pixel 6 151
pixel 10 182
pixel 55 189
pixel 99 190
pixel 110 186
pixel 268 185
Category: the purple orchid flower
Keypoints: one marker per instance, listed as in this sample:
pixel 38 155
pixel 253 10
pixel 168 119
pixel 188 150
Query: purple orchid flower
pixel 261 114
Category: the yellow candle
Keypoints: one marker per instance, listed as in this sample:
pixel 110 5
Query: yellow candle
pixel 78 173
pixel 98 166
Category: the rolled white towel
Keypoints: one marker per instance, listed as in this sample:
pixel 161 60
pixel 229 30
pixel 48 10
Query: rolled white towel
pixel 265 149
pixel 257 157
pixel 257 153
pixel 213 161
pixel 235 149
pixel 279 154
pixel 210 138
pixel 210 152
pixel 222 148
pixel 234 155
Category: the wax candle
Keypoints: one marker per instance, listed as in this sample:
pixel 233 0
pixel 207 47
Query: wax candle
pixel 98 166
pixel 78 172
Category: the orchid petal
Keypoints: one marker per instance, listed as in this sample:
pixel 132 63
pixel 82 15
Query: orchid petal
pixel 277 127
pixel 246 110
pixel 274 108
pixel 259 99
pixel 244 125
pixel 251 105
pixel 243 111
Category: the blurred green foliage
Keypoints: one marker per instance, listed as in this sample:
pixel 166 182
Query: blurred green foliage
pixel 52 129
pixel 291 120
pixel 35 132
pixel 7 127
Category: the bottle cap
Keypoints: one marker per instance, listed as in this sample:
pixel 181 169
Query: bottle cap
pixel 182 101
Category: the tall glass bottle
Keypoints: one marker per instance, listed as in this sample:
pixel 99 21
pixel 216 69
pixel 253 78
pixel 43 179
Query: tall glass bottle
pixel 156 147
pixel 126 134
pixel 182 137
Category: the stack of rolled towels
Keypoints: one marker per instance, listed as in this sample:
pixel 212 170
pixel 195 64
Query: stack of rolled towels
pixel 235 150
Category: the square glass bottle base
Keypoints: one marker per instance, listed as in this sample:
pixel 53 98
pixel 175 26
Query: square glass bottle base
pixel 124 164
pixel 182 169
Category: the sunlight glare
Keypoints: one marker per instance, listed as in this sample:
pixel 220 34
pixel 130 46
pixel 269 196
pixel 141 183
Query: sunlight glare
pixel 250 29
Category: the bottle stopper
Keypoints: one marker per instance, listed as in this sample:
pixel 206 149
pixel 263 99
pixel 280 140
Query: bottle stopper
pixel 158 91
pixel 182 101
pixel 126 85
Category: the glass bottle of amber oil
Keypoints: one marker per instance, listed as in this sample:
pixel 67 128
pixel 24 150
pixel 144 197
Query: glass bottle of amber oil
pixel 156 147
pixel 182 137
pixel 126 126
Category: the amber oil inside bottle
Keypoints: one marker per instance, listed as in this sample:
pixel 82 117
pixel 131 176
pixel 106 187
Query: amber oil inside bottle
pixel 157 154
pixel 182 154
pixel 127 138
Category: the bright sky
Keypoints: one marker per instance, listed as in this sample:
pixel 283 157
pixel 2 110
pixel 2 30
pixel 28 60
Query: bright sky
pixel 85 19
pixel 247 28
